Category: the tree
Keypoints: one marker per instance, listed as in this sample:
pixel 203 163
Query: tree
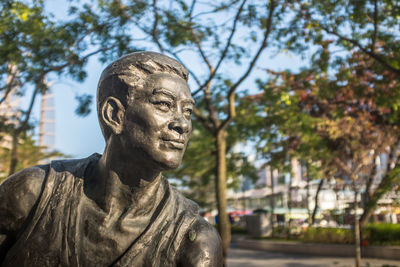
pixel 210 39
pixel 34 45
pixel 365 28
pixel 368 27
pixel 285 132
pixel 342 121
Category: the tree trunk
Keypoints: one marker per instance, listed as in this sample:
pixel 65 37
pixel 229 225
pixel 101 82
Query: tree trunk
pixel 223 222
pixel 309 220
pixel 321 183
pixel 368 211
pixel 272 200
pixel 244 197
pixel 357 231
pixel 384 186
pixel 289 206
pixel 14 153
pixel 23 126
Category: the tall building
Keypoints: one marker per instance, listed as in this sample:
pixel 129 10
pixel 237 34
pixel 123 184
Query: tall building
pixel 47 122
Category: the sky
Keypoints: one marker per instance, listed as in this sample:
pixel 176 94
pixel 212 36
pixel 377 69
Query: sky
pixel 75 136
pixel 80 137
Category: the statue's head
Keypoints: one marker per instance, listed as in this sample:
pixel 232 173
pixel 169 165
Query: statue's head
pixel 143 102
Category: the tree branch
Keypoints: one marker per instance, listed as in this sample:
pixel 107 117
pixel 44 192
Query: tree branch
pixel 203 120
pixel 189 70
pixel 231 93
pixel 8 88
pixel 212 115
pixel 38 84
pixel 370 180
pixel 392 175
pixel 192 9
pixel 216 8
pixel 40 80
pixel 200 49
pixel 374 37
pixel 346 169
pixel 154 33
pixel 225 51
pixel 363 49
pixel 10 82
pixel 73 61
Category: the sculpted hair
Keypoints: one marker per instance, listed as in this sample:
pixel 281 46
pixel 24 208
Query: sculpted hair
pixel 129 73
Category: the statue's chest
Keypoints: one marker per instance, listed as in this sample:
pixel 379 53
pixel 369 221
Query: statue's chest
pixel 104 238
pixel 66 230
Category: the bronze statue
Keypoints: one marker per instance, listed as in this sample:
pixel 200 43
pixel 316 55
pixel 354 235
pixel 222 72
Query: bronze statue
pixel 115 209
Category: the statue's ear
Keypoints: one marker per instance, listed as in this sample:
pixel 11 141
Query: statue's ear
pixel 112 113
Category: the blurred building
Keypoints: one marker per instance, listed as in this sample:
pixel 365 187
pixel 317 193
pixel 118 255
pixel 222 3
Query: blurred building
pixel 47 123
pixel 293 197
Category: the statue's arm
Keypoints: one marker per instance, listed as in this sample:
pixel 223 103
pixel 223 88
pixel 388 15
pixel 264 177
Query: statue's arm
pixel 18 195
pixel 201 246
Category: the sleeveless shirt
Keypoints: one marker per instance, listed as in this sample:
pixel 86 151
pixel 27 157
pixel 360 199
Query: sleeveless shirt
pixel 53 235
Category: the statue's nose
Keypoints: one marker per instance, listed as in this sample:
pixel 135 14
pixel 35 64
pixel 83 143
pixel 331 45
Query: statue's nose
pixel 179 124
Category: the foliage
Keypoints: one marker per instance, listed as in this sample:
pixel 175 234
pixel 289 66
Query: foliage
pixel 351 88
pixel 382 234
pixel 367 27
pixel 29 154
pixel 238 230
pixel 34 45
pixel 314 235
pixel 373 234
pixel 352 112
pixel 328 235
pixel 338 122
pixel 285 233
pixel 355 45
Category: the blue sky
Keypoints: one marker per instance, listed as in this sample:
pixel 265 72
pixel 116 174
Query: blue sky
pixel 80 137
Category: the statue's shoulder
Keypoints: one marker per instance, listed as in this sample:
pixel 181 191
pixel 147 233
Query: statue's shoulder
pixel 190 207
pixel 201 245
pixel 18 194
pixel 77 167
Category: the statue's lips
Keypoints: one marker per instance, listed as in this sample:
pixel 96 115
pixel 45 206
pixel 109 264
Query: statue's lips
pixel 175 143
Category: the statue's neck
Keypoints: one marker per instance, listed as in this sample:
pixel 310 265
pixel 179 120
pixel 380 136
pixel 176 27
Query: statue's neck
pixel 115 184
pixel 131 167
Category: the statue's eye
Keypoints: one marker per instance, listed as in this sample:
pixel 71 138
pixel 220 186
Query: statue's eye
pixel 163 105
pixel 188 112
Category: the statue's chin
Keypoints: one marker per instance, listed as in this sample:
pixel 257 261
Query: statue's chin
pixel 170 166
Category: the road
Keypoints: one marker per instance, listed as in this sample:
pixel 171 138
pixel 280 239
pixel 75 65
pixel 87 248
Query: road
pixel 252 258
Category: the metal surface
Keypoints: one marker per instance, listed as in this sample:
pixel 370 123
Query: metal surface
pixel 115 209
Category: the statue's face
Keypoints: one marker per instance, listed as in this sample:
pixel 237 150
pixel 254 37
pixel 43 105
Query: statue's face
pixel 157 122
